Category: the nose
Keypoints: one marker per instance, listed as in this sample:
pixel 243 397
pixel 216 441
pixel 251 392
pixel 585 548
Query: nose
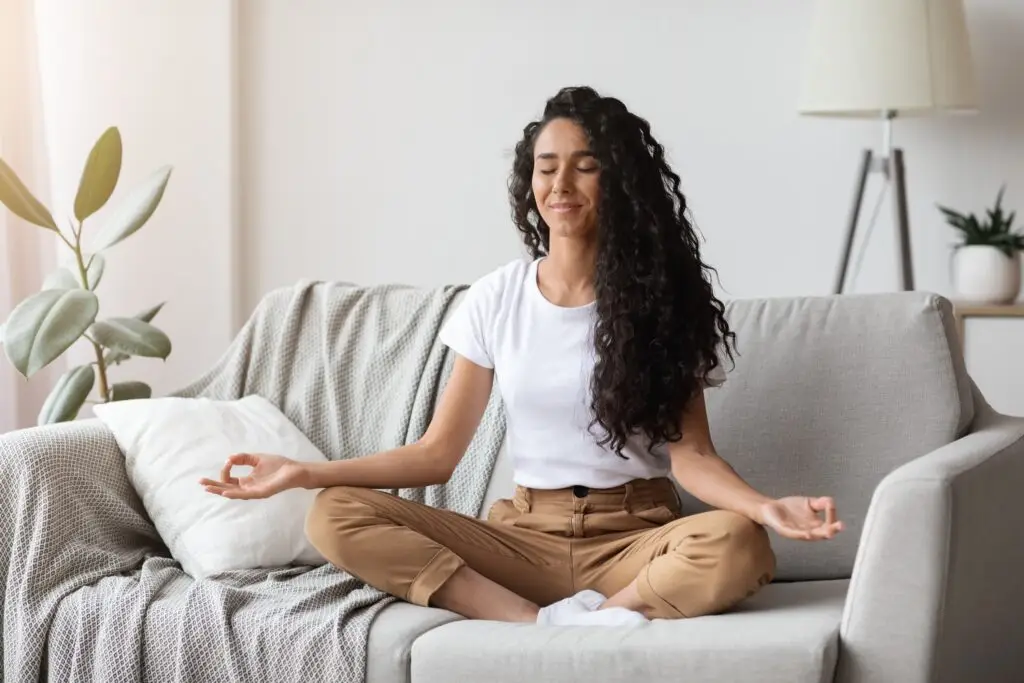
pixel 561 185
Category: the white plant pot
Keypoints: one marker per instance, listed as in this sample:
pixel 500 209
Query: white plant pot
pixel 986 274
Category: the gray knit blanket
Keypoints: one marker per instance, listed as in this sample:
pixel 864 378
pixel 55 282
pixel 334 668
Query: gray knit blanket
pixel 90 592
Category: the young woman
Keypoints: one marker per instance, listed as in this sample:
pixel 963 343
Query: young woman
pixel 602 343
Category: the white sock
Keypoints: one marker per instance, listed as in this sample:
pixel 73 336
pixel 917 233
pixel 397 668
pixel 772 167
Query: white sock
pixel 611 616
pixel 582 610
pixel 556 613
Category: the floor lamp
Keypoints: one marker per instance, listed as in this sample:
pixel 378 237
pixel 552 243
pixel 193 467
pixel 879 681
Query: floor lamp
pixel 884 59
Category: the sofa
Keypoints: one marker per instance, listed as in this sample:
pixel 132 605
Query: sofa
pixel 862 397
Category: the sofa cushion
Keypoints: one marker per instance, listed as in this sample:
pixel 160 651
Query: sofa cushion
pixel 787 633
pixel 828 396
pixel 392 636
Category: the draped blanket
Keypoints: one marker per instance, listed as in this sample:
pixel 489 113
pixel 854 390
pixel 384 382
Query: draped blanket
pixel 90 592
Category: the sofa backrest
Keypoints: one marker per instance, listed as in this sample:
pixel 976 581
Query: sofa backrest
pixel 827 396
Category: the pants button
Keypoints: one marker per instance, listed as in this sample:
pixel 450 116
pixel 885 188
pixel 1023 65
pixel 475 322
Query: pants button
pixel 580 491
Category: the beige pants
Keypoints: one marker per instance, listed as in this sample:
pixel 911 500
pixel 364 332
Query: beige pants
pixel 546 545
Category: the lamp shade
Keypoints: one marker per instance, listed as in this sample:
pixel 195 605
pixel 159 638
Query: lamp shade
pixel 869 57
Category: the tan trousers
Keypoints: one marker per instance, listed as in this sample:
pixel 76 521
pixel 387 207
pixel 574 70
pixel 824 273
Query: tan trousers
pixel 546 545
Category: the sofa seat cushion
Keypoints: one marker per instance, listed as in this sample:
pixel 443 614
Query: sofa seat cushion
pixel 392 636
pixel 787 633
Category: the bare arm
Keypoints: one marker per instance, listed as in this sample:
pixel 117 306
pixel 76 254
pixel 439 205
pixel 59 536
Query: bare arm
pixel 700 470
pixel 431 459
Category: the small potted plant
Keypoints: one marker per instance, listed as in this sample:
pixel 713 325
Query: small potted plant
pixel 986 261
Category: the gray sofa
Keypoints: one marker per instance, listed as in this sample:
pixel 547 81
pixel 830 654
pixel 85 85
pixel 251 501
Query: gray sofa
pixel 862 397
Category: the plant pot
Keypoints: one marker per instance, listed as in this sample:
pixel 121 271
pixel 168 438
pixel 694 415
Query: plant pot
pixel 986 275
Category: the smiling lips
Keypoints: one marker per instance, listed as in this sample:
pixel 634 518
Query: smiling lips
pixel 563 207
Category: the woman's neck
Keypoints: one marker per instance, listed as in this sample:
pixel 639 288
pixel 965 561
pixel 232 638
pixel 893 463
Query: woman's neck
pixel 566 275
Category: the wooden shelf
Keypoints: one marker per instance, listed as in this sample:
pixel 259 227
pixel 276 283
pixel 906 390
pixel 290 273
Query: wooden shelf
pixel 970 309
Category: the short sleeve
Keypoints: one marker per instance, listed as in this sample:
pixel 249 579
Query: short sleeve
pixel 716 376
pixel 468 330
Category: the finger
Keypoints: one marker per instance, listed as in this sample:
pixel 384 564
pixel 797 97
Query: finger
pixel 225 474
pixel 243 494
pixel 240 459
pixel 214 482
pixel 793 532
pixel 827 531
pixel 823 504
pixel 244 459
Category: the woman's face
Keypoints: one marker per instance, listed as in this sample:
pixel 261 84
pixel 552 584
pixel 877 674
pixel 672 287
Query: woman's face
pixel 566 179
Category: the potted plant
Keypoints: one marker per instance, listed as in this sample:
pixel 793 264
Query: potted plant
pixel 45 325
pixel 986 261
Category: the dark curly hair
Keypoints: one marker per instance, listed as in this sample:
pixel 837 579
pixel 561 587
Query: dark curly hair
pixel 659 325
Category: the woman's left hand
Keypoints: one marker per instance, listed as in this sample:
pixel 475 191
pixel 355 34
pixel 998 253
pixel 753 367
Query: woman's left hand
pixel 798 517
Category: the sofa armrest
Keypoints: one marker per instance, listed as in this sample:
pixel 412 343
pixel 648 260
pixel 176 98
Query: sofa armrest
pixel 68 512
pixel 937 590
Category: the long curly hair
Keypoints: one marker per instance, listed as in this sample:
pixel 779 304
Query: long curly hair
pixel 659 326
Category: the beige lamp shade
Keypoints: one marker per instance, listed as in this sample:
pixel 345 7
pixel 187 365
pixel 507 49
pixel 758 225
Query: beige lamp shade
pixel 869 57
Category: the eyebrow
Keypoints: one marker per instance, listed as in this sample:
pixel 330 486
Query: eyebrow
pixel 580 153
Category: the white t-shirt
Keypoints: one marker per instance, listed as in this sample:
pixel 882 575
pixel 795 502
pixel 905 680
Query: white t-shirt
pixel 543 357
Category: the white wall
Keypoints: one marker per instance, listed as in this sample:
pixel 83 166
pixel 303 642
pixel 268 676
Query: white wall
pixel 374 143
pixel 164 73
pixel 377 139
pixel 377 136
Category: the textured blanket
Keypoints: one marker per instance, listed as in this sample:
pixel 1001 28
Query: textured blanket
pixel 90 593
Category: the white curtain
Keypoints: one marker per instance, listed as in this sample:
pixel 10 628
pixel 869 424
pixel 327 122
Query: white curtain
pixel 27 252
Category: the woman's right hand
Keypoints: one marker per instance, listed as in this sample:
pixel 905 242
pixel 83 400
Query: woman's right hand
pixel 270 474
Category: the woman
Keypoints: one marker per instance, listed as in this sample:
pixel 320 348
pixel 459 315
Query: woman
pixel 602 344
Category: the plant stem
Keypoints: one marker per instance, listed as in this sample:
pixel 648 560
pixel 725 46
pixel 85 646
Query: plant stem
pixel 101 366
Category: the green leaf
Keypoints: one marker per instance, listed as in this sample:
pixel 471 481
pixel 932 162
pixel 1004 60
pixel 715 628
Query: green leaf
pixel 116 357
pixel 132 336
pixel 954 218
pixel 125 391
pixel 949 213
pixel 147 315
pixel 62 278
pixel 68 395
pixel 133 211
pixel 94 272
pixel 99 177
pixel 16 197
pixel 974 226
pixel 45 325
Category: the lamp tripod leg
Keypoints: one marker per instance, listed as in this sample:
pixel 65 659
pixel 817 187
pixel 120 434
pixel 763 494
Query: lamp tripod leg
pixel 897 171
pixel 851 227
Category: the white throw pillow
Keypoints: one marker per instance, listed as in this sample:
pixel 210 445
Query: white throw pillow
pixel 170 443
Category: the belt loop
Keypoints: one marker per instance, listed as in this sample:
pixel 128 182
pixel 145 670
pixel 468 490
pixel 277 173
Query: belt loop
pixel 526 498
pixel 521 499
pixel 627 499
